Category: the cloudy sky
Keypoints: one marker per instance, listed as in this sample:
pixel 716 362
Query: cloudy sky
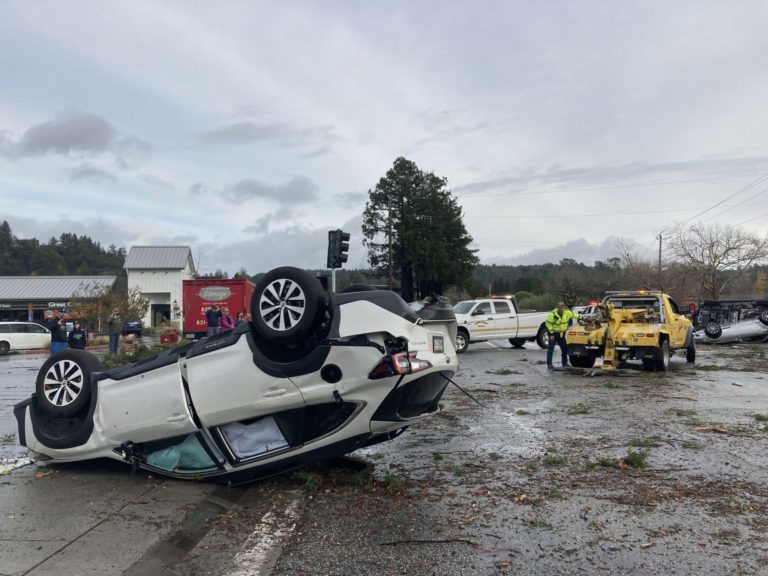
pixel 247 130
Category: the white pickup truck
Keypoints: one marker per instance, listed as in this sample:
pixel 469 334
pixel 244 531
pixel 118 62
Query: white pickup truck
pixel 496 318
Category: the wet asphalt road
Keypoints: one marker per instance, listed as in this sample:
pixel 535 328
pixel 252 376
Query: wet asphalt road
pixel 545 478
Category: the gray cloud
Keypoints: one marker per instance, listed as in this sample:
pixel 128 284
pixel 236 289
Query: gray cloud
pixel 297 190
pixel 300 246
pixel 351 198
pixel 74 134
pixel 199 190
pixel 87 172
pixel 279 133
pixel 155 181
pixel 579 250
pixel 626 175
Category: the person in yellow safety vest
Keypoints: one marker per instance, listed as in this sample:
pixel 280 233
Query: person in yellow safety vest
pixel 557 323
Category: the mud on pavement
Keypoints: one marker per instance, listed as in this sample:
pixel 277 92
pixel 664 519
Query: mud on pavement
pixel 559 474
pixel 555 474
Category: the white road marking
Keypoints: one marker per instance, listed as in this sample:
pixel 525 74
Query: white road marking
pixel 259 554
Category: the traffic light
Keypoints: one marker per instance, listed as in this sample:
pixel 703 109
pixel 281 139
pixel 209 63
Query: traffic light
pixel 338 246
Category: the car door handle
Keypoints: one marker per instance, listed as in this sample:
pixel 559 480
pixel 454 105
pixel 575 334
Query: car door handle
pixel 179 418
pixel 489 318
pixel 274 392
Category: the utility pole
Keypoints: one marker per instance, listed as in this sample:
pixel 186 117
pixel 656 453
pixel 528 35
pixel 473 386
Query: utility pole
pixel 660 286
pixel 389 240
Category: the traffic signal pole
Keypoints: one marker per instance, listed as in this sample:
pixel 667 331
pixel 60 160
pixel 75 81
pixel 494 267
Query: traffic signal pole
pixel 338 245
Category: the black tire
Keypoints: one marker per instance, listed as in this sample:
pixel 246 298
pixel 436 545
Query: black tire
pixel 517 342
pixel 63 384
pixel 358 288
pixel 648 364
pixel 661 357
pixel 286 305
pixel 713 330
pixel 690 352
pixel 763 317
pixel 5 347
pixel 582 361
pixel 542 338
pixel 462 341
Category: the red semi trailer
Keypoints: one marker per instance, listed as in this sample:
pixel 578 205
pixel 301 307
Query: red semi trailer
pixel 233 294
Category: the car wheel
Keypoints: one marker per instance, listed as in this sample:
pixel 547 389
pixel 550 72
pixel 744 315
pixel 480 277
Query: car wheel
pixel 517 342
pixel 285 305
pixel 5 347
pixel 63 384
pixel 661 357
pixel 690 353
pixel 713 330
pixel 763 317
pixel 587 361
pixel 462 341
pixel 542 338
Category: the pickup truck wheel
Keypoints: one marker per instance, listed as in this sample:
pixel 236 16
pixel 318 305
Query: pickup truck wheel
pixel 542 338
pixel 713 330
pixel 517 342
pixel 690 353
pixel 63 383
pixel 462 341
pixel 5 347
pixel 763 317
pixel 661 357
pixel 285 305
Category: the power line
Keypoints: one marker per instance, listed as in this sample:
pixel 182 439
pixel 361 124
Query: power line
pixel 724 200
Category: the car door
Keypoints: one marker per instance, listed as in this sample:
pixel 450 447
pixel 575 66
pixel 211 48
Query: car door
pixel 225 385
pixel 679 325
pixel 20 336
pixel 505 319
pixel 39 336
pixel 482 322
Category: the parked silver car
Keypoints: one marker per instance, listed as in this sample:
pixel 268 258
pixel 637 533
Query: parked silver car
pixel 314 375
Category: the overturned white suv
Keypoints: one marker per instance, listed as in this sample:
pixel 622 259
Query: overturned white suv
pixel 314 375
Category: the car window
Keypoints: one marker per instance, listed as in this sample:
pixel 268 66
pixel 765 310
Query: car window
pixel 20 328
pixel 482 308
pixel 183 454
pixel 36 329
pixel 674 306
pixel 463 307
pixel 501 307
pixel 5 328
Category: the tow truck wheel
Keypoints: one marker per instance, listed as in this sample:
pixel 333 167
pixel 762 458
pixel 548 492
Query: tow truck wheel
pixel 542 338
pixel 690 353
pixel 462 342
pixel 661 357
pixel 517 342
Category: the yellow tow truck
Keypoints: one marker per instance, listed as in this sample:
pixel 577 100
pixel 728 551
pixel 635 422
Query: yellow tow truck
pixel 632 325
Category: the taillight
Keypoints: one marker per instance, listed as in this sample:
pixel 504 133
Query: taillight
pixel 402 363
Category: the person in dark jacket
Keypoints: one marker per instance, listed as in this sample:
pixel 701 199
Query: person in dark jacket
pixel 115 328
pixel 58 333
pixel 213 318
pixel 78 338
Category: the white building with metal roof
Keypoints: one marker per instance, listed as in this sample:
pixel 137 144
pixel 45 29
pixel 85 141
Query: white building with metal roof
pixel 158 272
pixel 30 297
